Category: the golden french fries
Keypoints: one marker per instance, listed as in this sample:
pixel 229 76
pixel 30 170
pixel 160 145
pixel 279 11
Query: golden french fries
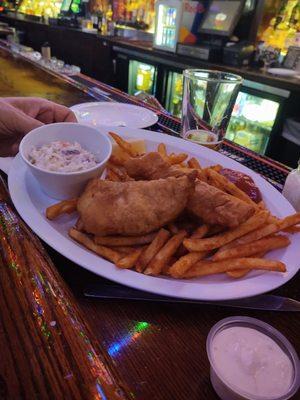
pixel 150 252
pixel 250 249
pixel 221 239
pixel 262 205
pixel 194 163
pixel 161 149
pixel 162 258
pixel 112 241
pixel 205 268
pixel 243 272
pixel 238 273
pixel 126 146
pixel 292 229
pixel 177 158
pixel 267 230
pixel 216 167
pixel 129 260
pixel 119 171
pixel 200 232
pixel 87 242
pixel 224 184
pixel 179 268
pixel 63 207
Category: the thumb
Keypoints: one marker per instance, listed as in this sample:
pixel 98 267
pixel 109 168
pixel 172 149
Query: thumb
pixel 24 124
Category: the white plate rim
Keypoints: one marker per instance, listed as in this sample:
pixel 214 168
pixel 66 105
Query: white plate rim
pixel 192 289
pixel 153 118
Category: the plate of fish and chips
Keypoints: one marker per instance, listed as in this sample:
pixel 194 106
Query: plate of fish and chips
pixel 164 218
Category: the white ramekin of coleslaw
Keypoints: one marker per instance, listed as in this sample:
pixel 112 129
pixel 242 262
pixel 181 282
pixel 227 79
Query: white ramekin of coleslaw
pixel 63 157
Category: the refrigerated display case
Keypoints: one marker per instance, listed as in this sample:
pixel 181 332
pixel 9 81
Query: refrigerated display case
pixel 167 23
pixel 255 116
pixel 141 77
pixel 253 120
pixel 174 93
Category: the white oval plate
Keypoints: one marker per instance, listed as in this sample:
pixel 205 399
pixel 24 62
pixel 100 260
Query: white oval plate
pixel 99 114
pixel 31 203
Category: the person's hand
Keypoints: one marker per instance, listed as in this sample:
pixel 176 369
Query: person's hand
pixel 19 115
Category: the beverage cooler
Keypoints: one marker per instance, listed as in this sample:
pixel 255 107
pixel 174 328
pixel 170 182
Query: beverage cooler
pixel 135 74
pixel 174 90
pixel 141 77
pixel 167 23
pixel 255 117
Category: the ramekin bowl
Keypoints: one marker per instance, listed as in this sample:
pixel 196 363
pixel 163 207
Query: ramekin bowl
pixel 65 185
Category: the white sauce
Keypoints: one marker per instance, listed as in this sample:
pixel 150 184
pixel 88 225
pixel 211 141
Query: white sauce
pixel 61 156
pixel 252 362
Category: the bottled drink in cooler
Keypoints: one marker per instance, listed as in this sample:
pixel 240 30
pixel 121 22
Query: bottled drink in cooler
pixel 144 78
pixel 252 121
pixel 177 99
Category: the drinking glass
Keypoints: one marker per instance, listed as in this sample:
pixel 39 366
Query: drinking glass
pixel 208 100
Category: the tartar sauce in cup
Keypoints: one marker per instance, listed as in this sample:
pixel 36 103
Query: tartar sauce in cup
pixel 251 360
pixel 205 138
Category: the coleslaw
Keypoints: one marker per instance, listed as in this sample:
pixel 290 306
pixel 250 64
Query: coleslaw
pixel 62 156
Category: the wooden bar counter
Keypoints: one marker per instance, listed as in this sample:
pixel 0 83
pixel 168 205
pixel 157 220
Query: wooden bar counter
pixel 58 344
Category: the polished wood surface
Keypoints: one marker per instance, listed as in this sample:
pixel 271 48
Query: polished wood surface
pixel 20 78
pixel 56 343
pixel 47 349
pixel 167 360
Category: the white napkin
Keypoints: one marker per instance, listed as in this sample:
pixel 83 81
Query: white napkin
pixel 5 163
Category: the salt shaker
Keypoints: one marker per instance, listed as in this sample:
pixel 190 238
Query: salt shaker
pixel 291 190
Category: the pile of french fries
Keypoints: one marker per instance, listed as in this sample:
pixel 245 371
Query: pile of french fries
pixel 186 248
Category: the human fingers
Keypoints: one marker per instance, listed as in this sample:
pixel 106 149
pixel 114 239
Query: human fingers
pixel 22 124
pixel 41 109
pixel 10 138
pixel 63 114
pixel 50 112
pixel 15 123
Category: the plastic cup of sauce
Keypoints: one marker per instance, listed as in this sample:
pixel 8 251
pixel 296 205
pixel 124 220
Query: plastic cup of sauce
pixel 205 138
pixel 250 360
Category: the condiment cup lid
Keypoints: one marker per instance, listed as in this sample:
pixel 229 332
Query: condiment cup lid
pixel 268 330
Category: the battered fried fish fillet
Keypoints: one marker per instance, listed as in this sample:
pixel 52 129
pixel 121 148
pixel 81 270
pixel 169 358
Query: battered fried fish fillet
pixel 218 208
pixel 134 207
pixel 152 166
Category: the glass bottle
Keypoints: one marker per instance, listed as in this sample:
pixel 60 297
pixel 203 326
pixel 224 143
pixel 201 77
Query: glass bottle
pixel 291 190
pixel 144 78
pixel 268 34
pixel 100 17
pixel 104 25
pixel 109 14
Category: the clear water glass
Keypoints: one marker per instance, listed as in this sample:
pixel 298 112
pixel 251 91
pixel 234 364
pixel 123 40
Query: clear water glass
pixel 208 100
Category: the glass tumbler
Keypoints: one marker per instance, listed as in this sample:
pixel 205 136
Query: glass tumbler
pixel 208 100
